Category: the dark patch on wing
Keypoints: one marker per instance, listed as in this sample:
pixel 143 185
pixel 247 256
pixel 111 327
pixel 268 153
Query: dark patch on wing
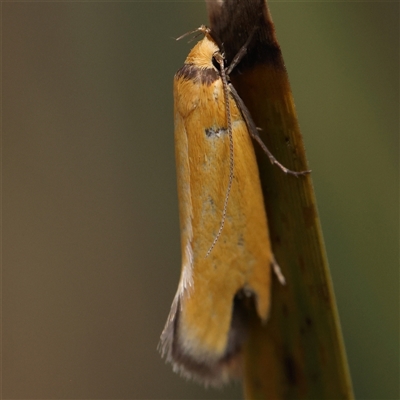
pixel 211 372
pixel 212 131
pixel 204 76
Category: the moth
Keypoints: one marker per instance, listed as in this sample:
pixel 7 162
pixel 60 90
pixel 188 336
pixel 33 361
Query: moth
pixel 226 250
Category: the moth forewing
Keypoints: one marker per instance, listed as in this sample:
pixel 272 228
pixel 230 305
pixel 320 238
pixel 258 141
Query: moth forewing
pixel 207 324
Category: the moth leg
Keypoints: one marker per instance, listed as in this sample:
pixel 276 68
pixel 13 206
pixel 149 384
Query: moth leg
pixel 278 272
pixel 241 53
pixel 254 134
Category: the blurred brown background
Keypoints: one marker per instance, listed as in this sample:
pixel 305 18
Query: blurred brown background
pixel 91 256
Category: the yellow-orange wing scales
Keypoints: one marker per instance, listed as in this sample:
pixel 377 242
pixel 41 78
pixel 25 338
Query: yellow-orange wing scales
pixel 206 326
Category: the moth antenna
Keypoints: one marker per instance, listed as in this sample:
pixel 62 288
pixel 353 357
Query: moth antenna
pixel 201 29
pixel 219 58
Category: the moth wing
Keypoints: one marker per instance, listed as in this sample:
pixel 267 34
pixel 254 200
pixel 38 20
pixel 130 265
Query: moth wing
pixel 205 329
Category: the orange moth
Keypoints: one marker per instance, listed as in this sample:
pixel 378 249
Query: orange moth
pixel 226 250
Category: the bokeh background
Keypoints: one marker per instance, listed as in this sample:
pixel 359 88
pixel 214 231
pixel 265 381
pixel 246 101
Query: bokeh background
pixel 91 255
